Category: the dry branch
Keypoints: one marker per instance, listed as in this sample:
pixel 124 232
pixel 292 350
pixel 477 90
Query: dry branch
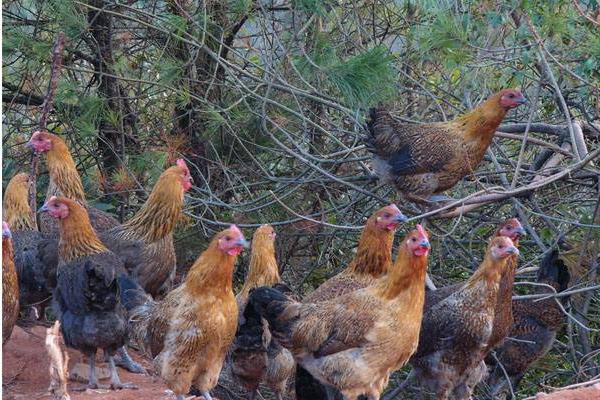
pixel 47 107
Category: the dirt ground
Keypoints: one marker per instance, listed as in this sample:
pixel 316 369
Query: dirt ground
pixel 25 374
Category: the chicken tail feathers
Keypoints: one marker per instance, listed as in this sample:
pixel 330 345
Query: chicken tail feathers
pixel 271 304
pixel 249 352
pixel 374 129
pixel 554 271
pixel 132 294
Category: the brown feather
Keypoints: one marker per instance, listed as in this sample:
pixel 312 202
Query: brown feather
pixel 10 289
pixel 16 204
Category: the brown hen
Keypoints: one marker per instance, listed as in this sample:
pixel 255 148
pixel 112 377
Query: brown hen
pixel 64 181
pixel 423 160
pixel 189 331
pixel 456 331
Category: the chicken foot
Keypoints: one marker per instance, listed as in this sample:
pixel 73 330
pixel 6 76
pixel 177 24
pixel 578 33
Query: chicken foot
pixel 125 361
pixel 115 381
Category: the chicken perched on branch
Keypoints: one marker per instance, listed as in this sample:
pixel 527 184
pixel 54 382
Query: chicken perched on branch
pixel 535 326
pixel 425 160
pixel 10 285
pixel 253 346
pixel 354 342
pixel 87 291
pixel 64 181
pixel 189 331
pixel 373 259
pixel 26 238
pixel 457 330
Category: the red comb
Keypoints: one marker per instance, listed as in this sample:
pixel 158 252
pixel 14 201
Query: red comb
pixel 394 207
pixel 235 229
pixel 181 163
pixel 422 231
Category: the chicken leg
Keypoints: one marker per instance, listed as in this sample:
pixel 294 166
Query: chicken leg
pixel 125 361
pixel 115 381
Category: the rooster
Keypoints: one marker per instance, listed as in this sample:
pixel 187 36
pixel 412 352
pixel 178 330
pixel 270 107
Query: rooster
pixel 189 331
pixel 10 285
pixel 425 160
pixel 353 342
pixel 536 323
pixel 253 346
pixel 64 181
pixel 26 238
pixel 86 296
pixel 373 259
pixel 457 330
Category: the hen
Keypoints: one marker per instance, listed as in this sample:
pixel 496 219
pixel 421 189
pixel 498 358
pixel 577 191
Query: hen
pixel 457 330
pixel 10 285
pixel 424 160
pixel 86 296
pixel 26 238
pixel 253 345
pixel 373 259
pixel 354 342
pixel 64 181
pixel 189 331
pixel 535 326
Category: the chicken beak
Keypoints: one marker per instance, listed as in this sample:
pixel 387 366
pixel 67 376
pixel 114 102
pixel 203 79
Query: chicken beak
pixel 242 243
pixel 6 231
pixel 522 100
pixel 425 244
pixel 29 145
pixel 401 218
pixel 513 250
pixel 43 208
pixel 521 231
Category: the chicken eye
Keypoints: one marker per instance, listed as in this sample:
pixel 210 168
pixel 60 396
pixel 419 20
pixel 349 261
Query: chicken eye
pixel 227 238
pixel 511 95
pixel 386 215
pixel 413 239
pixel 509 227
pixel 501 246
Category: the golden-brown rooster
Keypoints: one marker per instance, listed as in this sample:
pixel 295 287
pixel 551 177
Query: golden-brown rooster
pixel 425 160
pixel 87 295
pixel 456 331
pixel 372 260
pixel 189 331
pixel 10 285
pixel 26 238
pixel 253 345
pixel 353 342
pixel 536 323
pixel 64 181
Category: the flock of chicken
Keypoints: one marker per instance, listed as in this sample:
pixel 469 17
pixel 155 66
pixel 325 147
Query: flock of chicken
pixel 111 284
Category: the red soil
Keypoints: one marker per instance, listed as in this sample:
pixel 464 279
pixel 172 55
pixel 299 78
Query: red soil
pixel 25 373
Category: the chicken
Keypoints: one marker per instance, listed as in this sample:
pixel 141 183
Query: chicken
pixel 372 260
pixel 86 296
pixel 503 317
pixel 457 330
pixel 10 285
pixel 64 181
pixel 253 340
pixel 145 242
pixel 30 270
pixel 353 342
pixel 425 160
pixel 535 326
pixel 189 331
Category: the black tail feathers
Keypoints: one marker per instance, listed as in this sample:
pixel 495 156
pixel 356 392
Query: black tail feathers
pixel 132 294
pixel 554 271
